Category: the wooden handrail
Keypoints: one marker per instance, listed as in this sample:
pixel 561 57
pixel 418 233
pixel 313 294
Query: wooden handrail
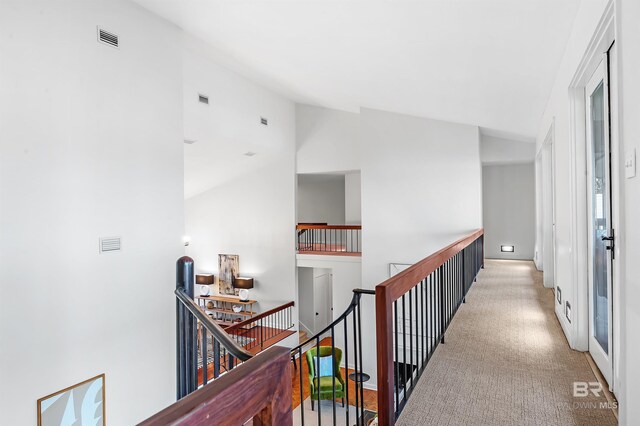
pixel 307 226
pixel 259 316
pixel 259 389
pixel 386 294
pixel 401 283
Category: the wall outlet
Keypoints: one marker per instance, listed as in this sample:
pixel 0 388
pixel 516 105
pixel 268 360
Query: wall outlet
pixel 630 164
pixel 567 311
pixel 559 295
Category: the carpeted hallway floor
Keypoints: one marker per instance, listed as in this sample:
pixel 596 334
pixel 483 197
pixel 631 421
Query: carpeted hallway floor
pixel 506 361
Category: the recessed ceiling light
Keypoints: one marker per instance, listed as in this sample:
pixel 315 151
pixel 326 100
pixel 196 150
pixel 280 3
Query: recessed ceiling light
pixel 190 141
pixel 249 153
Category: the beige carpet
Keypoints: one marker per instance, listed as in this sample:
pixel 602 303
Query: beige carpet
pixel 506 361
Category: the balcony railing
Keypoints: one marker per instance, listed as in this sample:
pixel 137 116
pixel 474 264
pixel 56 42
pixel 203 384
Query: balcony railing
pixel 254 335
pixel 413 311
pixel 265 329
pixel 343 240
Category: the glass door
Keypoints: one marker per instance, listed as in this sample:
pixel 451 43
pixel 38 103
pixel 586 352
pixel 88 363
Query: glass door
pixel 601 235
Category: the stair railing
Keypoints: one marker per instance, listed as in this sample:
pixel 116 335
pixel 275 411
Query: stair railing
pixel 225 353
pixel 342 341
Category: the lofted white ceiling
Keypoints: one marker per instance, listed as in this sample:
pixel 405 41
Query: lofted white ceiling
pixel 490 63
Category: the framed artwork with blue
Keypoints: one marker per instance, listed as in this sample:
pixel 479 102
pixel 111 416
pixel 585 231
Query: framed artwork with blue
pixel 80 404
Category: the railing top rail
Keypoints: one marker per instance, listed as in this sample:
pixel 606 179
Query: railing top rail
pixel 218 332
pixel 308 226
pixel 259 316
pixel 250 386
pixel 401 283
pixel 354 301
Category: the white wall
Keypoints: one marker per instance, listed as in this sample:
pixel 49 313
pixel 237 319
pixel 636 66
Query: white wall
pixel 321 199
pixel 327 140
pixel 628 38
pixel 557 114
pixel 91 146
pixel 250 213
pixel 352 199
pixel 421 190
pixel 496 150
pixel 508 199
pixel 626 339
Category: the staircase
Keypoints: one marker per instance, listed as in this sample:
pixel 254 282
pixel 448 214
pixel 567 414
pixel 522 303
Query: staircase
pixel 282 386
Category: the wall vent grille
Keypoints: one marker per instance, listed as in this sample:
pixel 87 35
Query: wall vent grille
pixel 203 99
pixel 110 244
pixel 108 38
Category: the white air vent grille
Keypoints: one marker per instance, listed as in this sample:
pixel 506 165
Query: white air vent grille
pixel 107 37
pixel 110 244
pixel 203 99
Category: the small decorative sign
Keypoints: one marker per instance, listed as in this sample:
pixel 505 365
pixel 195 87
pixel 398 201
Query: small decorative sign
pixel 80 404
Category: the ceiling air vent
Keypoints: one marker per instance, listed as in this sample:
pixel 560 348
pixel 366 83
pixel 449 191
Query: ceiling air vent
pixel 264 121
pixel 108 38
pixel 110 244
pixel 203 99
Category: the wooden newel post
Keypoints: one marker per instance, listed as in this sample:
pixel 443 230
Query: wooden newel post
pixel 384 347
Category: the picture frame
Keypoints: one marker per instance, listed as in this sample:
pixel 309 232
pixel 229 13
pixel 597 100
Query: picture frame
pixel 228 270
pixel 84 401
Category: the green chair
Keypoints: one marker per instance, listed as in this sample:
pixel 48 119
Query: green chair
pixel 325 383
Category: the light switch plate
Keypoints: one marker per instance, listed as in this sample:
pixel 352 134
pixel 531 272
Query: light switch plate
pixel 630 164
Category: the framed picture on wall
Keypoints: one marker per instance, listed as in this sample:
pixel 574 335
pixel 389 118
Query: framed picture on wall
pixel 80 404
pixel 228 269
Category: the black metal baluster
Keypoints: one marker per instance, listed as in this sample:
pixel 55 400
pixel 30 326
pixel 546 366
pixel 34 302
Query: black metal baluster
pixel 410 341
pixel 396 361
pixel 355 356
pixel 441 282
pixel 316 377
pixel 404 351
pixel 216 357
pixel 346 368
pixel 333 376
pixel 416 296
pixel 361 363
pixel 432 309
pixel 204 348
pixel 301 388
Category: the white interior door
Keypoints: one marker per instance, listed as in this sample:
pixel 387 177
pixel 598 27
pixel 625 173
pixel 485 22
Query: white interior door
pixel 322 291
pixel 548 231
pixel 600 233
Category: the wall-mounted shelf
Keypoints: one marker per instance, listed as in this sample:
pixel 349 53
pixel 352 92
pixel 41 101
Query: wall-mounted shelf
pixel 223 312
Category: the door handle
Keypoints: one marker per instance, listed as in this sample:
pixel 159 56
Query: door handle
pixel 611 248
pixel 317 313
